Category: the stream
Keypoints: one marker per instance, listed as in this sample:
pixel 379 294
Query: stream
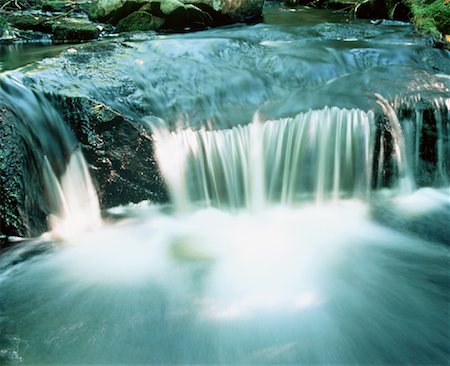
pixel 307 160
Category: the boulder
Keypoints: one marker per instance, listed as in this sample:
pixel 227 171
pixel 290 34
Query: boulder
pixel 177 14
pixel 140 21
pixel 70 30
pixel 117 148
pixel 62 29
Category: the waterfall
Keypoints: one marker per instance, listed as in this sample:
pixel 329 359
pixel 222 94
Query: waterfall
pixel 72 199
pixel 318 155
pixel 54 171
pixel 321 154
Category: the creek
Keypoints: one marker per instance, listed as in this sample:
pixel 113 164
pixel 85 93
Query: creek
pixel 307 160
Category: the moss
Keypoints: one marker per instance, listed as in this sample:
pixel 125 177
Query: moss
pixel 139 21
pixel 55 5
pixel 3 25
pixel 69 30
pixel 30 22
pixel 432 17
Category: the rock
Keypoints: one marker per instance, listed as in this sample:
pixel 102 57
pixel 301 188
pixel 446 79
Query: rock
pixel 55 6
pixel 140 21
pixel 372 9
pixel 28 21
pixel 119 151
pixel 118 148
pixel 63 29
pixel 73 30
pixel 20 213
pixel 188 17
pixel 3 26
pixel 180 15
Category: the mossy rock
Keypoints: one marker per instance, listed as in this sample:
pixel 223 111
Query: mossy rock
pixel 431 17
pixel 3 26
pixel 140 21
pixel 55 6
pixel 37 23
pixel 72 31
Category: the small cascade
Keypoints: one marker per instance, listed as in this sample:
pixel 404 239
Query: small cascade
pixel 54 171
pixel 73 199
pixel 426 128
pixel 319 155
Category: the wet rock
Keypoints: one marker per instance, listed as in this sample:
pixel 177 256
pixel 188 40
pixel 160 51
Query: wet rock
pixel 21 214
pixel 30 21
pixel 119 151
pixel 180 15
pixel 62 29
pixel 3 26
pixel 73 30
pixel 140 21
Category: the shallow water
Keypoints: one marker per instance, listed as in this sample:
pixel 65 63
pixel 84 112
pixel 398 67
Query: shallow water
pixel 14 56
pixel 337 278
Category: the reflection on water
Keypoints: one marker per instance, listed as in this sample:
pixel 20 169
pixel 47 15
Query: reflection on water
pixel 18 55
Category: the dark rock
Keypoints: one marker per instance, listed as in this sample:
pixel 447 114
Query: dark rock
pixel 74 31
pixel 21 214
pixel 62 29
pixel 114 15
pixel 372 9
pixel 56 6
pixel 119 151
pixel 401 12
pixel 188 17
pixel 181 15
pixel 37 23
pixel 3 26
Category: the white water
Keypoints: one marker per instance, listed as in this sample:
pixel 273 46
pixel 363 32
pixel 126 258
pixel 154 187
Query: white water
pixel 324 154
pixel 72 199
pixel 280 285
pixel 319 155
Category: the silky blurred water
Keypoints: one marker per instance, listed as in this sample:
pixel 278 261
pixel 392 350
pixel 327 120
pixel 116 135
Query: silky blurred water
pixel 309 285
pixel 344 279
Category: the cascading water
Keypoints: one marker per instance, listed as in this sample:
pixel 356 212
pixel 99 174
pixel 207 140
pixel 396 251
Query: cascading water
pixel 315 234
pixel 318 155
pixel 73 200
pixel 48 142
pixel 324 154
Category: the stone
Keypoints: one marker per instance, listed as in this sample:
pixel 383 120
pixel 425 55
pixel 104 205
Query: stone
pixel 181 15
pixel 140 21
pixel 72 30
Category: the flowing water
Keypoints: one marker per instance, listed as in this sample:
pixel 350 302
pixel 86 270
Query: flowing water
pixel 308 163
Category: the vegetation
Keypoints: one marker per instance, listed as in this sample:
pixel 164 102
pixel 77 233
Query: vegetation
pixel 3 25
pixel 431 16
